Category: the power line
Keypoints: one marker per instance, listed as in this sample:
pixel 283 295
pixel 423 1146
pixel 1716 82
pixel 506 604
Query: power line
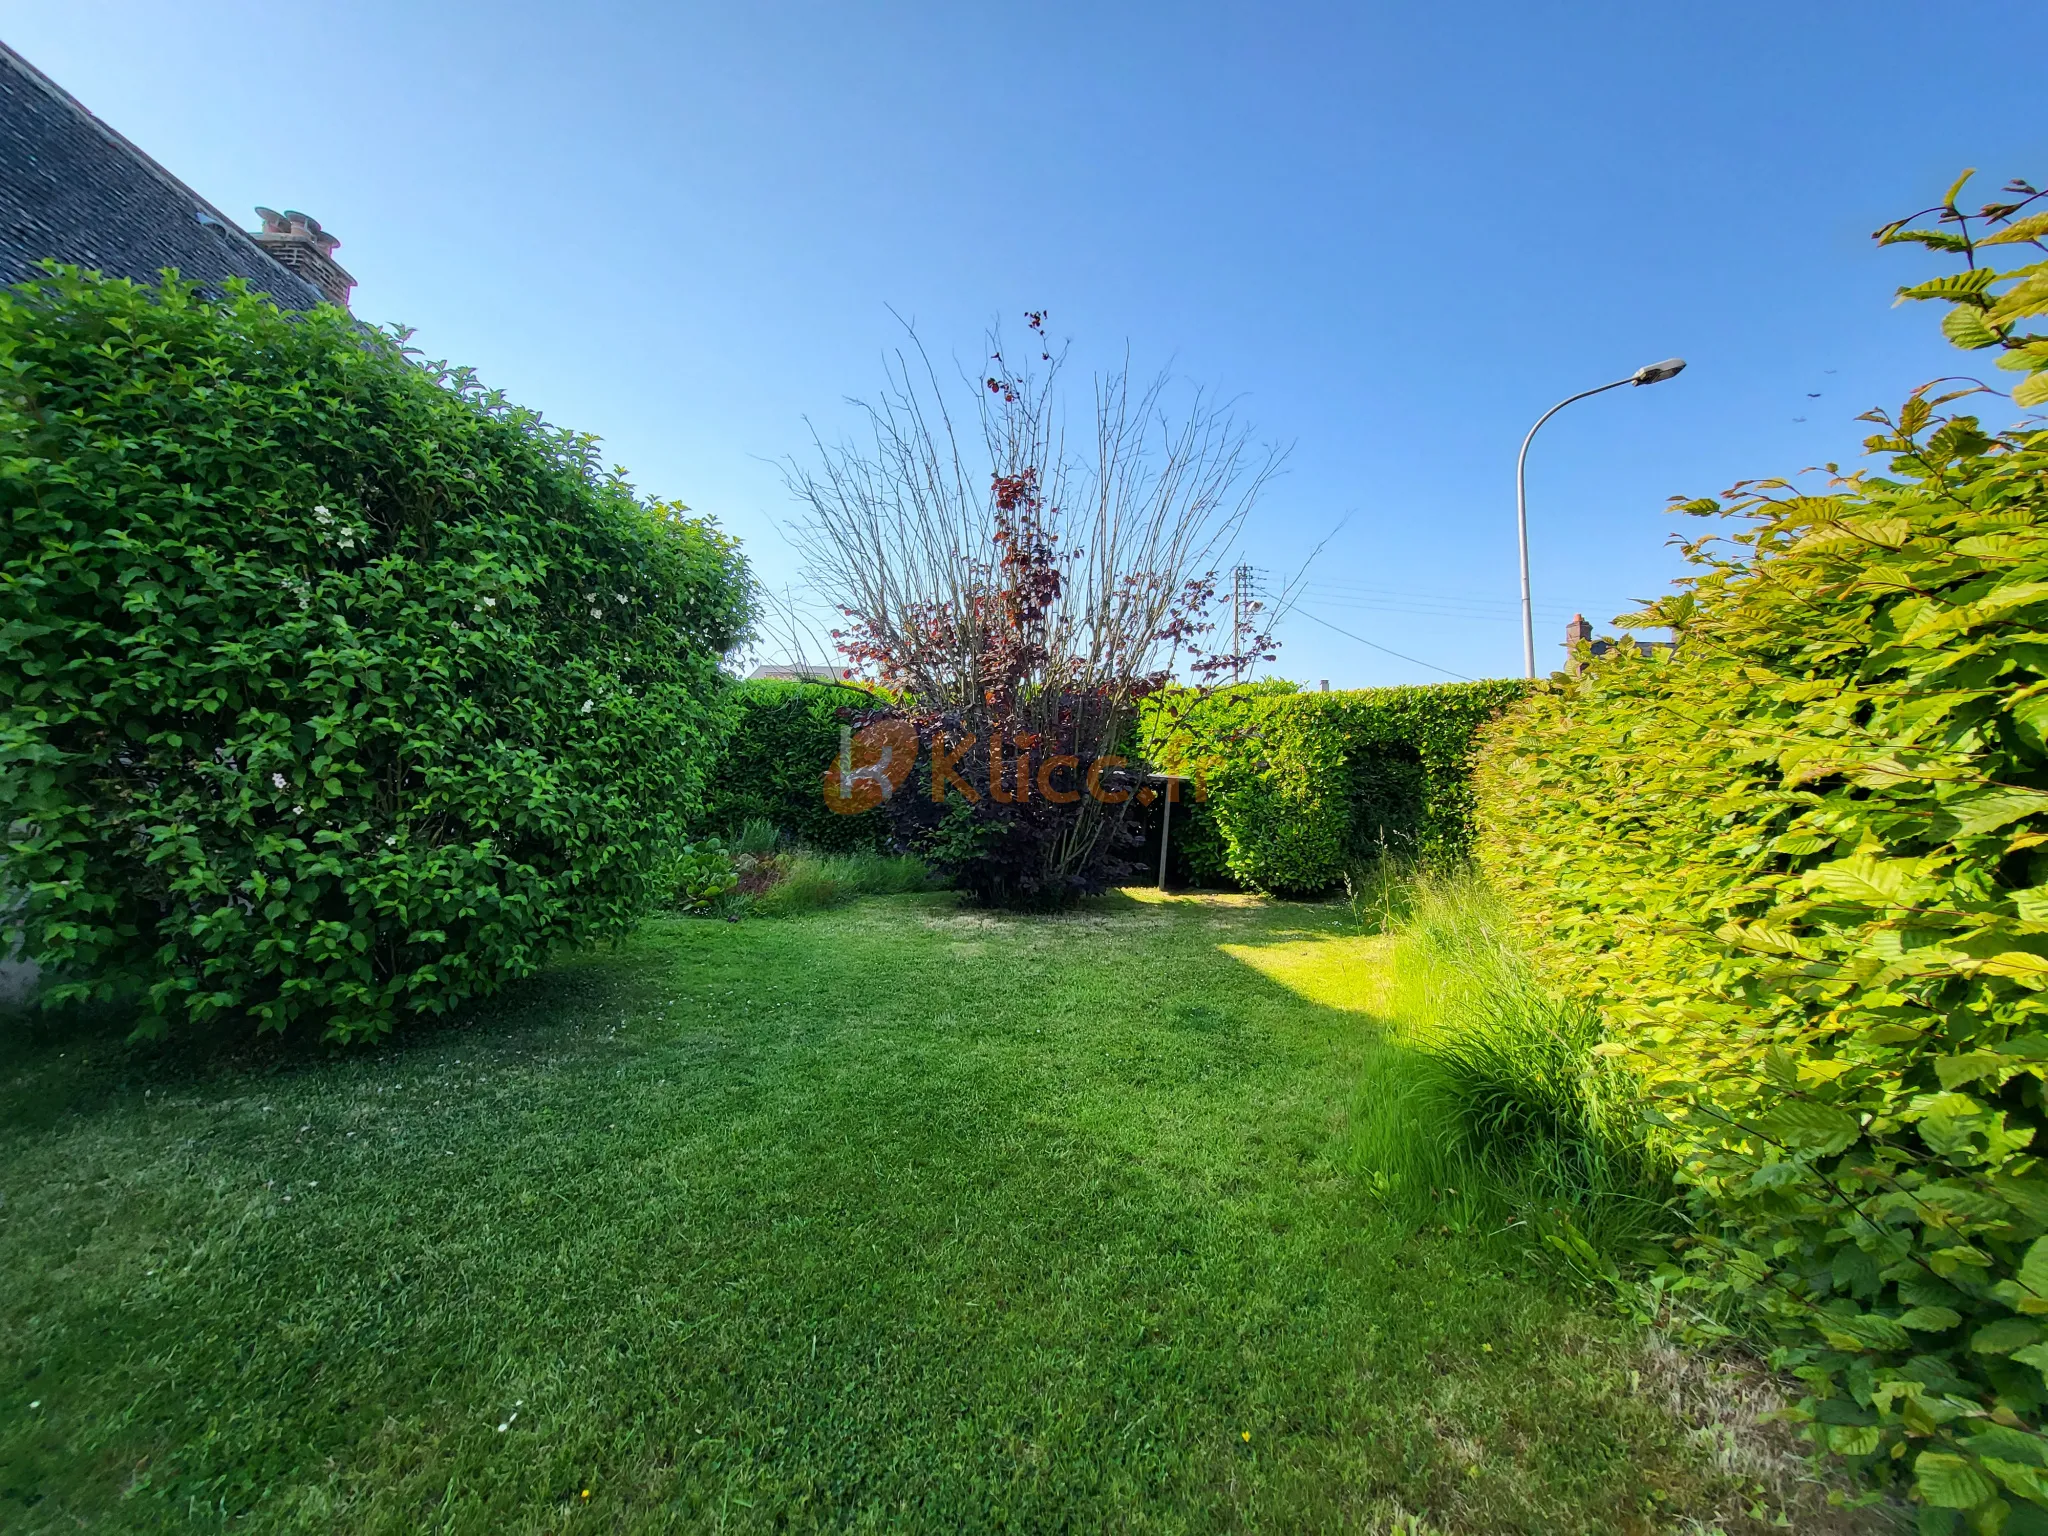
pixel 1431 606
pixel 1418 661
pixel 1366 588
pixel 1416 611
pixel 1424 602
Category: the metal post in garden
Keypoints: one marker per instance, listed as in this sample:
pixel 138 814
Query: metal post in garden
pixel 1165 826
pixel 1649 373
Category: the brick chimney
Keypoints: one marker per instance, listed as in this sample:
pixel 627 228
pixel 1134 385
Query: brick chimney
pixel 298 244
pixel 1576 634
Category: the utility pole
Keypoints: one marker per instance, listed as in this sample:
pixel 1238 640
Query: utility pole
pixel 1243 585
pixel 1236 580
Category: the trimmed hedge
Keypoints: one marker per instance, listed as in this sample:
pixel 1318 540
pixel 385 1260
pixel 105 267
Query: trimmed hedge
pixel 1304 786
pixel 1802 868
pixel 780 736
pixel 332 689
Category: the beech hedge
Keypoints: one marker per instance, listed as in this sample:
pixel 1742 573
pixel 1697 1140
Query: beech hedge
pixel 1301 787
pixel 1802 868
pixel 333 689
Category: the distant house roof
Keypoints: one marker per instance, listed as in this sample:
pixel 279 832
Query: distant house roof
pixel 803 673
pixel 1580 633
pixel 73 189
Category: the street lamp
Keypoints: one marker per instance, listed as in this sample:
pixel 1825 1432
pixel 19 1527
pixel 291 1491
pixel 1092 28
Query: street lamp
pixel 1649 373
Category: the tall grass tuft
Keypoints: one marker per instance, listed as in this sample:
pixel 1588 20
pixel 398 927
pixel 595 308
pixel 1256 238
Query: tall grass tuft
pixel 758 836
pixel 1496 1109
pixel 1381 892
pixel 810 882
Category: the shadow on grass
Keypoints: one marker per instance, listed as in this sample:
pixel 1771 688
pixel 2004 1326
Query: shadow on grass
pixel 73 1060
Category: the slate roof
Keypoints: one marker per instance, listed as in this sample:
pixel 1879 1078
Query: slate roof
pixel 73 189
pixel 798 672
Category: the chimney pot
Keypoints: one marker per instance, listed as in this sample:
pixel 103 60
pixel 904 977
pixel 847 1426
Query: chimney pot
pixel 296 242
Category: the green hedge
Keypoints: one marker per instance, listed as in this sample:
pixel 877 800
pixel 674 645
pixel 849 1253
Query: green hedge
pixel 780 738
pixel 1303 786
pixel 1803 870
pixel 332 689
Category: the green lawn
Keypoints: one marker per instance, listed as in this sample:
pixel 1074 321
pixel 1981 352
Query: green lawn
pixel 894 1217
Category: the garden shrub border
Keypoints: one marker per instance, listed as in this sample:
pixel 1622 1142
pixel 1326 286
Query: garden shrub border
pixel 780 735
pixel 1301 787
pixel 333 689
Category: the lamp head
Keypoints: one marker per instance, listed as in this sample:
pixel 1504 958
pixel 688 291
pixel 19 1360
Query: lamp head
pixel 1657 373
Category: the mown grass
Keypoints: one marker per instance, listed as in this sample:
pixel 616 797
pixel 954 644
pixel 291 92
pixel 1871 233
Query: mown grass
pixel 891 1217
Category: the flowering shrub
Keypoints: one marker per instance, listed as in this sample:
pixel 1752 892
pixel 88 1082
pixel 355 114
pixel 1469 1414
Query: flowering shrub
pixel 332 689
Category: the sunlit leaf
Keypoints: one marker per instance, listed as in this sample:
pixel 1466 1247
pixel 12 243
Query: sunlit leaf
pixel 1952 285
pixel 1949 1482
pixel 1957 1070
pixel 2028 969
pixel 1966 327
pixel 1853 1439
pixel 2021 300
pixel 2033 227
pixel 1866 878
pixel 1807 1126
pixel 1992 809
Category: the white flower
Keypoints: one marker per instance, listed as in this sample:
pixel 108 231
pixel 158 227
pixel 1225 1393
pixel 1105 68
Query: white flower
pixel 322 515
pixel 277 779
pixel 490 602
pixel 597 613
pixel 588 705
pixel 391 841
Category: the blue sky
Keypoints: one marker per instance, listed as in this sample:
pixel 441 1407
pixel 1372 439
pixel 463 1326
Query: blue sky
pixel 1396 234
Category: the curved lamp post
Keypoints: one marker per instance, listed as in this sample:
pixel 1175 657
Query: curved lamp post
pixel 1649 373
